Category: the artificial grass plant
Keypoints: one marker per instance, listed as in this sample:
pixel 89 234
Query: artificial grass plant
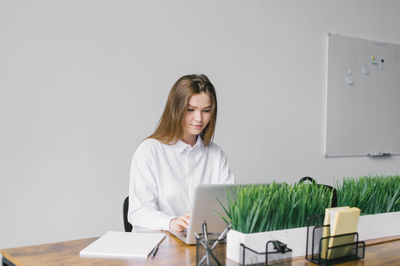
pixel 268 207
pixel 372 195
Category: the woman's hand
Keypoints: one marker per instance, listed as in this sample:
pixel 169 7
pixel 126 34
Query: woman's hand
pixel 180 223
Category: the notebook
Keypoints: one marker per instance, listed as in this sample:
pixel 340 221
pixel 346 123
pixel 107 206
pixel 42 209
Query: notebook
pixel 123 244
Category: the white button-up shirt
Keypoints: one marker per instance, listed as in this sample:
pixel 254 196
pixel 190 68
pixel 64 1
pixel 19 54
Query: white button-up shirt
pixel 163 179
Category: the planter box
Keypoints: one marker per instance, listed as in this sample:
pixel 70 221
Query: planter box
pixel 369 227
pixel 379 225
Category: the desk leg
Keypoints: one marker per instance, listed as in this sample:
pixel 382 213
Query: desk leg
pixel 6 262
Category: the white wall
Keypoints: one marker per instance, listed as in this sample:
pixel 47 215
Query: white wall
pixel 83 82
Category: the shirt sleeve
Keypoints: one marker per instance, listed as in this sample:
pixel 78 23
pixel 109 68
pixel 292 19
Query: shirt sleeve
pixel 225 174
pixel 143 198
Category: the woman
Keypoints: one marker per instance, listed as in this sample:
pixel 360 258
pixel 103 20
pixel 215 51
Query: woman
pixel 177 157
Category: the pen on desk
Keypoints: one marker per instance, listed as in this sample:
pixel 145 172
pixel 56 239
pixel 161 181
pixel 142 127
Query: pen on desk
pixel 154 252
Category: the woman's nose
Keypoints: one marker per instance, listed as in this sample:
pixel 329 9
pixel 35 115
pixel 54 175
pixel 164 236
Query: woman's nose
pixel 198 116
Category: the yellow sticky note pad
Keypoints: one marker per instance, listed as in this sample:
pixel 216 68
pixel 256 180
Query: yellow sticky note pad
pixel 343 221
pixel 326 230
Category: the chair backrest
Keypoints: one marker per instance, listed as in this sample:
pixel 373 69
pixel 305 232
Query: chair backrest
pixel 334 196
pixel 127 225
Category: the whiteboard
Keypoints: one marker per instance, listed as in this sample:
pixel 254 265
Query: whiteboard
pixel 363 97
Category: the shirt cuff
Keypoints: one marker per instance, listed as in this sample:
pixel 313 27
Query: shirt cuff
pixel 163 221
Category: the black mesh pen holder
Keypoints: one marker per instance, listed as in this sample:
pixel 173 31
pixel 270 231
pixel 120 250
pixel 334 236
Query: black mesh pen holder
pixel 211 253
pixel 276 253
pixel 327 250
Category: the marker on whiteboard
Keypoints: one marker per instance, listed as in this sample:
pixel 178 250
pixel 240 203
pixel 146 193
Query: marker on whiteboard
pixel 365 70
pixel 379 154
pixel 381 63
pixel 349 78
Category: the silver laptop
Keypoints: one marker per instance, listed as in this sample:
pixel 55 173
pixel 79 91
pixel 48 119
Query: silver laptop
pixel 205 207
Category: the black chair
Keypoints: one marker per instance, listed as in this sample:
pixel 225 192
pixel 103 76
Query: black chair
pixel 312 180
pixel 127 225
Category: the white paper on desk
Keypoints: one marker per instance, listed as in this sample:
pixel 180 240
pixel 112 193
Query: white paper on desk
pixel 123 244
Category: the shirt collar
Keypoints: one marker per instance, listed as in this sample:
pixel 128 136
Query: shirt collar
pixel 181 146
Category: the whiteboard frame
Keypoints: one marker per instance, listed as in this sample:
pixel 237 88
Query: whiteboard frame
pixel 369 151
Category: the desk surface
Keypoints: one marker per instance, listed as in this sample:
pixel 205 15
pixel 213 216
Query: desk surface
pixel 172 252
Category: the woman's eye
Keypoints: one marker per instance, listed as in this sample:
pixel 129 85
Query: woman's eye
pixel 206 111
pixel 190 110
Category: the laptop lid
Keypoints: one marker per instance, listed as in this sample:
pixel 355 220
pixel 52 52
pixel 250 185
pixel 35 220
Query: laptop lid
pixel 205 206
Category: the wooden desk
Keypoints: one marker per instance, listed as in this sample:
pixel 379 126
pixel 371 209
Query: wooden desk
pixel 172 252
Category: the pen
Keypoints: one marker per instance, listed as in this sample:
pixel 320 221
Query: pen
pixel 222 236
pixel 205 233
pixel 204 227
pixel 154 252
pixel 196 236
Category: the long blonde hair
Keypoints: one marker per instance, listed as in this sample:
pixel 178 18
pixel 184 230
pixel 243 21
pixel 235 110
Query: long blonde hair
pixel 170 126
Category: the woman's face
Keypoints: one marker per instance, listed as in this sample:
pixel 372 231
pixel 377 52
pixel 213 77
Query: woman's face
pixel 197 116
